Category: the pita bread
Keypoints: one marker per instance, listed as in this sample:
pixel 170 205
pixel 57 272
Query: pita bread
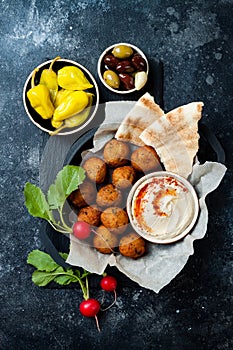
pixel 169 146
pixel 144 113
pixel 174 136
pixel 185 121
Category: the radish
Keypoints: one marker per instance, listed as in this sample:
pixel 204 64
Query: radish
pixel 81 230
pixel 90 308
pixel 109 284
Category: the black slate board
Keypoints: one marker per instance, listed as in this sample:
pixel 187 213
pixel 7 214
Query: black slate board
pixel 210 149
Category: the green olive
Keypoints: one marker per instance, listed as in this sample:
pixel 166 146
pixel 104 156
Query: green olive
pixel 112 79
pixel 122 51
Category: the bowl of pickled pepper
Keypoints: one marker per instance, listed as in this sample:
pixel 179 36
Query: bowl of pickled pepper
pixel 123 68
pixel 61 96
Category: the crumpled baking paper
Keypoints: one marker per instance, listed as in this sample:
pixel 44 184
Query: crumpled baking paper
pixel 162 262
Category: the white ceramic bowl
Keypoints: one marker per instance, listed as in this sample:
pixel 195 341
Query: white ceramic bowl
pixel 100 65
pixel 45 125
pixel 162 207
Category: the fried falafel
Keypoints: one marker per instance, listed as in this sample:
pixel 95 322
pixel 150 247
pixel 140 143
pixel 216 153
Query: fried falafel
pixel 115 219
pixel 84 195
pixel 123 177
pixel 108 196
pixel 90 215
pixel 116 153
pixel 132 245
pixel 104 240
pixel 95 169
pixel 145 159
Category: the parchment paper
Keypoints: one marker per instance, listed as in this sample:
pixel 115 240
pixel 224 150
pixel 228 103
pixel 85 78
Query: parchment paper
pixel 162 262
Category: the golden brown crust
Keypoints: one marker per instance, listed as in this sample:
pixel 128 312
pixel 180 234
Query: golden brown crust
pixel 90 214
pixel 145 159
pixel 132 245
pixel 84 195
pixel 123 177
pixel 104 240
pixel 95 169
pixel 116 153
pixel 108 196
pixel 115 219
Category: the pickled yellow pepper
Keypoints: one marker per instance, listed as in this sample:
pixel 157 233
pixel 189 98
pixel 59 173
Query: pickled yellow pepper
pixel 72 104
pixel 49 79
pixel 39 98
pixel 72 78
pixel 61 95
pixel 75 120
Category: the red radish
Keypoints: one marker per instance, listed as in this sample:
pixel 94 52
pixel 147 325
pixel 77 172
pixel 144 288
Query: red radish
pixel 90 308
pixel 109 284
pixel 81 230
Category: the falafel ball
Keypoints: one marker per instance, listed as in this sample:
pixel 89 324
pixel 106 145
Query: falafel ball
pixel 104 241
pixel 132 245
pixel 108 196
pixel 115 219
pixel 123 177
pixel 145 159
pixel 90 214
pixel 84 195
pixel 116 153
pixel 95 169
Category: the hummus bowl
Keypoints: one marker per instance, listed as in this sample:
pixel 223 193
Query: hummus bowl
pixel 162 207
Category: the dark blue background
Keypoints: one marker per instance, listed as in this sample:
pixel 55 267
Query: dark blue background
pixel 194 41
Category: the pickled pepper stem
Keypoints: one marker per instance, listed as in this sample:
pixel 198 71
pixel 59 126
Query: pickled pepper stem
pixel 55 132
pixel 33 77
pixel 54 60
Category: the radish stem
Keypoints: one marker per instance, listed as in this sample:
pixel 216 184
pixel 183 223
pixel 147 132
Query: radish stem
pixel 115 297
pixel 97 323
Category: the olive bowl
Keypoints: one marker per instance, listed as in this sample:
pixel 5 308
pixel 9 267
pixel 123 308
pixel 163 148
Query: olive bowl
pixel 45 124
pixel 101 68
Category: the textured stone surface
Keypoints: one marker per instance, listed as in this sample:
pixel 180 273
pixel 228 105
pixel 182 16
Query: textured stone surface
pixel 194 41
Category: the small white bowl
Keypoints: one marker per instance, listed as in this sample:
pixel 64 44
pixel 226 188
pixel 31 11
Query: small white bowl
pixel 44 124
pixel 100 66
pixel 162 207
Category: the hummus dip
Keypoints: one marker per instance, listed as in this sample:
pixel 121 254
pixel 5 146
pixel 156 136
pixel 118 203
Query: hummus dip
pixel 163 207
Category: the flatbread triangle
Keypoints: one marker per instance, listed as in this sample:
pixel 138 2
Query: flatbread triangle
pixel 144 112
pixel 175 137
